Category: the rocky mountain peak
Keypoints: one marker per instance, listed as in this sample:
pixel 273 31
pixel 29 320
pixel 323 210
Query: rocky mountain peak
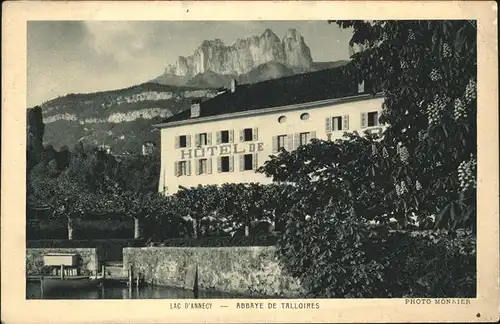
pixel 294 34
pixel 213 43
pixel 268 33
pixel 244 55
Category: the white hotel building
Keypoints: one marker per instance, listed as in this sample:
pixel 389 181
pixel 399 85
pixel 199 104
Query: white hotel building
pixel 226 138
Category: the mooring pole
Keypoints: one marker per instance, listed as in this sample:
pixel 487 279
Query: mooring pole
pixel 103 271
pixel 41 286
pixel 62 271
pixel 195 286
pixel 130 281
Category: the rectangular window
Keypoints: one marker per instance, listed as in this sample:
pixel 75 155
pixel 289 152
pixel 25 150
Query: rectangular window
pixel 337 123
pixel 202 139
pixel 372 118
pixel 202 166
pixel 224 164
pixel 248 134
pixel 305 138
pixel 248 162
pixel 224 136
pixel 182 168
pixel 183 141
pixel 281 141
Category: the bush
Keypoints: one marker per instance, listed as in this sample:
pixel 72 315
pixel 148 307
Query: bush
pixel 433 264
pixel 335 254
pixel 260 240
pixel 88 229
pixel 46 244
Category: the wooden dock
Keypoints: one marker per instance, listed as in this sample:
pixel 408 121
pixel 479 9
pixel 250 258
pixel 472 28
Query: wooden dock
pixel 111 272
pixel 122 280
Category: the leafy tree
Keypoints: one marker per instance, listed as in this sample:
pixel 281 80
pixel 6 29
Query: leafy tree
pixel 427 70
pixel 139 173
pixel 424 164
pixel 197 203
pixel 68 198
pixel 250 204
pixel 318 171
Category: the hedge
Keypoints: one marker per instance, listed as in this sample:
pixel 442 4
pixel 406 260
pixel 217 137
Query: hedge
pixel 42 244
pixel 226 241
pixel 88 229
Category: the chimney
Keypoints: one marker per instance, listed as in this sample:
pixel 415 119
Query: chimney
pixel 361 87
pixel 195 108
pixel 233 85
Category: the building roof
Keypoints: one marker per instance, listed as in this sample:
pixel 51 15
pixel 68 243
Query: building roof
pixel 297 89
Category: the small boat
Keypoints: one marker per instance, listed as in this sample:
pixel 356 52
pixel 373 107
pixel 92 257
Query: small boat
pixel 70 283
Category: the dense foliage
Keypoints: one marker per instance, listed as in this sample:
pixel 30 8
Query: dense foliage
pixel 350 196
pixel 86 185
pixel 427 70
pixel 224 241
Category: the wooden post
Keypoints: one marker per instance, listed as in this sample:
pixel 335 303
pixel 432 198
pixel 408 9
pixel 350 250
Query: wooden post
pixel 103 292
pixel 130 275
pixel 103 271
pixel 195 286
pixel 62 272
pixel 41 286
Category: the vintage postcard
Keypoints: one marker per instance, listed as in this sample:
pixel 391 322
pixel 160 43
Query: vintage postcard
pixel 249 162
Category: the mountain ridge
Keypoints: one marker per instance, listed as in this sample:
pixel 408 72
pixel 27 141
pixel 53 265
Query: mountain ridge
pixel 123 118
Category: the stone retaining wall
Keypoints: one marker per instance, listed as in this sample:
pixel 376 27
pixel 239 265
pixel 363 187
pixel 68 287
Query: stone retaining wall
pixel 240 270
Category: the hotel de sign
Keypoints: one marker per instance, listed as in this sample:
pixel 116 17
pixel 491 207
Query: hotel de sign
pixel 226 138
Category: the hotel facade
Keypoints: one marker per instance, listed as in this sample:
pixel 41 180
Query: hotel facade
pixel 226 138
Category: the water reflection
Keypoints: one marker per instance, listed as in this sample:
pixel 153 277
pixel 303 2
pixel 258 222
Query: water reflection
pixel 33 291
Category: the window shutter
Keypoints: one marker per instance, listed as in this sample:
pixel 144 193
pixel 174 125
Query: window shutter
pixel 188 168
pixel 209 165
pixel 176 168
pixel 296 140
pixel 231 163
pixel 177 142
pixel 275 144
pixel 328 125
pixel 218 137
pixel 255 134
pixel 345 122
pixel 188 140
pixel 255 161
pixel 289 137
pixel 209 138
pixel 242 162
pixel 231 136
pixel 364 117
pixel 197 140
pixel 219 165
pixel 313 135
pixel 242 135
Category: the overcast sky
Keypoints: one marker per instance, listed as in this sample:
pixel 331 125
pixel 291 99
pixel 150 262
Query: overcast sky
pixel 87 56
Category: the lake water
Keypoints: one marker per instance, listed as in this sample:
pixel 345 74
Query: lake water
pixel 33 291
